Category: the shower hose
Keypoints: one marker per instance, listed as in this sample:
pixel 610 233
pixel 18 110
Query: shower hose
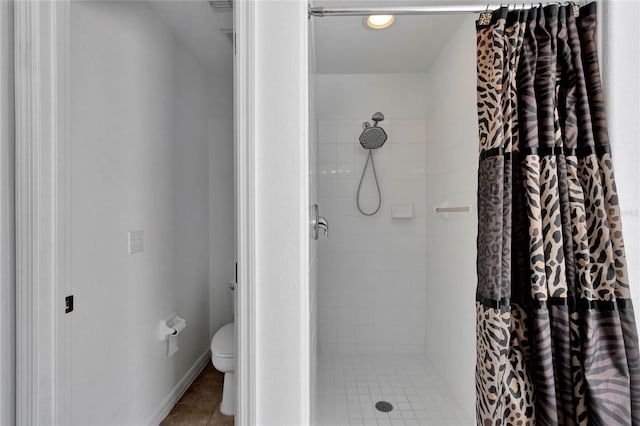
pixel 364 171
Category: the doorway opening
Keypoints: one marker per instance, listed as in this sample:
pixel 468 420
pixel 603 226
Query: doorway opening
pixel 395 337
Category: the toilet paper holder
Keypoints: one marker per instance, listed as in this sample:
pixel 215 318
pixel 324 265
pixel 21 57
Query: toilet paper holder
pixel 172 326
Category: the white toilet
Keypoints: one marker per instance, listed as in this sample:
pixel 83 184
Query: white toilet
pixel 223 356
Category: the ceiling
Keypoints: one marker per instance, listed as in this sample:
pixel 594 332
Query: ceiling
pixel 345 46
pixel 199 26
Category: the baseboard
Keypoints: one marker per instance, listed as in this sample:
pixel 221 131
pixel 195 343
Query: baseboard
pixel 176 393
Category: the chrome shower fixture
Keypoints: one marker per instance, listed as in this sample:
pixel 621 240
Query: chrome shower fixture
pixel 378 116
pixel 373 137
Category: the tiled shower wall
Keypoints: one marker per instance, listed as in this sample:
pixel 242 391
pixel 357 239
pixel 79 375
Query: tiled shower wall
pixel 372 273
pixel 452 168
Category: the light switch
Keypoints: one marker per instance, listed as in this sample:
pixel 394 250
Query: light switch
pixel 136 241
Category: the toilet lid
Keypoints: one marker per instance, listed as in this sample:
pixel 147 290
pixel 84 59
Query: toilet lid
pixel 224 342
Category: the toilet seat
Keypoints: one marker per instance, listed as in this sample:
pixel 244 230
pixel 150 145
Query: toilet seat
pixel 223 344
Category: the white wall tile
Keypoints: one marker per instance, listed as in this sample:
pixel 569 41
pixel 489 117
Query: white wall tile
pixel 409 131
pixel 326 131
pixel 452 175
pixel 347 131
pixel 375 278
pixel 327 153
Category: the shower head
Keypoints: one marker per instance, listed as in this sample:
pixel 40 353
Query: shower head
pixel 373 137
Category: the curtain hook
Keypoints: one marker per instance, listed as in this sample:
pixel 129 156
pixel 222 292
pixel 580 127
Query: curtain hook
pixel 485 17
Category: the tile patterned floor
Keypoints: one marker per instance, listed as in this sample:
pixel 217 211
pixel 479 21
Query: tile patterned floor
pixel 348 388
pixel 350 385
pixel 200 405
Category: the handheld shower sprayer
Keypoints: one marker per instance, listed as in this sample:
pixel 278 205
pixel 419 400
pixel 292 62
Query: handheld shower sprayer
pixel 372 137
pixel 378 116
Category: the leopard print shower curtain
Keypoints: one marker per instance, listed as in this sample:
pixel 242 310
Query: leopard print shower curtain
pixel 556 336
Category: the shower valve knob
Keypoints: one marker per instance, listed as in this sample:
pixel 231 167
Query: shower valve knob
pixel 318 223
pixel 324 226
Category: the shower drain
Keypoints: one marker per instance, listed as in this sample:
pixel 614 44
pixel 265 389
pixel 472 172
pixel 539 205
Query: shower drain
pixel 384 406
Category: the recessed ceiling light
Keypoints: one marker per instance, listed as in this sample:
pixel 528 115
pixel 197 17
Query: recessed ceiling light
pixel 379 22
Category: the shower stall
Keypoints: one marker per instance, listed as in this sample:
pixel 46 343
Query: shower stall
pixel 284 177
pixel 395 278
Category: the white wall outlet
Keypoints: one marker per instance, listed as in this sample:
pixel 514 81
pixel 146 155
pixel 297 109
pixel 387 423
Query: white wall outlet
pixel 136 241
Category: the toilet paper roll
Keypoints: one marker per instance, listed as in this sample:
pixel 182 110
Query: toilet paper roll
pixel 178 326
pixel 172 326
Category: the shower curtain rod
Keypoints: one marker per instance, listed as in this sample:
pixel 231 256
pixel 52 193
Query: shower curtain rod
pixel 442 9
pixel 409 10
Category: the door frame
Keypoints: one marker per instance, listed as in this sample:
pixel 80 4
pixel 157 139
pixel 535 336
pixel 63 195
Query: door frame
pixel 244 148
pixel 272 183
pixel 7 219
pixel 43 373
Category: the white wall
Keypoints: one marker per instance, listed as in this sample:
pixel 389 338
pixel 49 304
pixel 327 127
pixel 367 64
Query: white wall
pixel 7 220
pixel 372 275
pixel 452 164
pixel 142 121
pixel 620 59
pixel 222 249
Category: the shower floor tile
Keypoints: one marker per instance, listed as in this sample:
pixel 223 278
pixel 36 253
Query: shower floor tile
pixel 350 385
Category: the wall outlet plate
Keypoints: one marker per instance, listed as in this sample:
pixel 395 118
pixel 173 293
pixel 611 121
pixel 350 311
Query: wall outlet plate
pixel 136 242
